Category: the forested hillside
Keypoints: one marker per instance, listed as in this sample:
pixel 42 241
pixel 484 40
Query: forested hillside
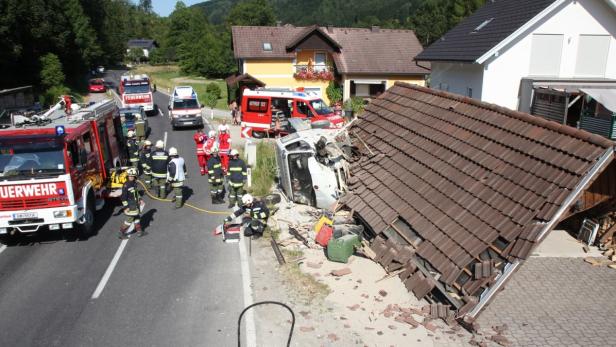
pixel 80 33
pixel 429 18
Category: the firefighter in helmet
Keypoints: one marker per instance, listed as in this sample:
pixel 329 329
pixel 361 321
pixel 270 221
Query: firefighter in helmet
pixel 176 174
pixel 237 177
pixel 131 201
pixel 258 213
pixel 159 160
pixel 133 149
pixel 146 162
pixel 216 174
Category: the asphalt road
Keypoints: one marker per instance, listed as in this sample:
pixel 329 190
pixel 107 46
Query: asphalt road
pixel 177 286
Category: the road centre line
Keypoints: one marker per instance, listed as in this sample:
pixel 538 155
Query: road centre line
pixel 110 268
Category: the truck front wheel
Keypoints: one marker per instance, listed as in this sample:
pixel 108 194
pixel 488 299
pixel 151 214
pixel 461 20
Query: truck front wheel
pixel 87 228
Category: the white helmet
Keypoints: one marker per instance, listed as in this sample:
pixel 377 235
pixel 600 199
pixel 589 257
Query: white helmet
pixel 138 117
pixel 147 143
pixel 160 144
pixel 212 133
pixel 234 152
pixel 223 128
pixel 173 151
pixel 132 172
pixel 247 199
pixel 130 133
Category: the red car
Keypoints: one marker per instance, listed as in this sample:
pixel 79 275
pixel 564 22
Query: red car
pixel 97 85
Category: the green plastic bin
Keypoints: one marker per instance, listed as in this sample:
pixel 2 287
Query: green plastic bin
pixel 340 249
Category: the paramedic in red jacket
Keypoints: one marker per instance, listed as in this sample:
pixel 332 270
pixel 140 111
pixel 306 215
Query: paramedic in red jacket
pixel 200 139
pixel 207 146
pixel 224 145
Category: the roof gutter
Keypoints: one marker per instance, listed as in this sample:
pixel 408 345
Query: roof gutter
pixel 605 159
pixel 520 30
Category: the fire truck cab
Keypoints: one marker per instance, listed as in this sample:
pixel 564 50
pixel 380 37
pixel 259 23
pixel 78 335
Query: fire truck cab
pixel 136 91
pixel 54 167
pixel 266 111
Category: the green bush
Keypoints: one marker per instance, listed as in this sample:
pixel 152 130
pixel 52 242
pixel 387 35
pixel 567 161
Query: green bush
pixel 265 169
pixel 51 71
pixel 356 104
pixel 52 94
pixel 213 89
pixel 334 92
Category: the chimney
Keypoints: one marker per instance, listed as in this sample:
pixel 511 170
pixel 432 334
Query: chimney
pixel 330 29
pixel 278 23
pixel 375 28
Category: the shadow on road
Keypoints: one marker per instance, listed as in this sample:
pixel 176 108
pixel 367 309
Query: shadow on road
pixel 147 218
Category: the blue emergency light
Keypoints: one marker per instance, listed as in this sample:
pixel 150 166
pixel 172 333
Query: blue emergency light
pixel 60 130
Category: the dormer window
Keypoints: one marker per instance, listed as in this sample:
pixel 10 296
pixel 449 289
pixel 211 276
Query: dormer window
pixel 267 46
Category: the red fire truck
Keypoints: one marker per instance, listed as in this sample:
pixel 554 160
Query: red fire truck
pixel 54 167
pixel 136 91
pixel 267 110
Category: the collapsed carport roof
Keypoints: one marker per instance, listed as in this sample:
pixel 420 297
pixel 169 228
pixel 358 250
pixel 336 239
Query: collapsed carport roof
pixel 468 188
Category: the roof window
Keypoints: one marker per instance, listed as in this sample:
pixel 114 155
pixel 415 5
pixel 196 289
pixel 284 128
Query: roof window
pixel 482 25
pixel 267 46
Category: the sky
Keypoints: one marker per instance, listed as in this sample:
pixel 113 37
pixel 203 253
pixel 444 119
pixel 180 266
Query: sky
pixel 165 7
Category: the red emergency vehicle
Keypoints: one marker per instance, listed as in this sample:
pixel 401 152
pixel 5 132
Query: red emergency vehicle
pixel 54 167
pixel 136 91
pixel 266 111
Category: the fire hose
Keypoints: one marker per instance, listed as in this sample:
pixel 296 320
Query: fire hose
pixel 147 192
pixel 239 321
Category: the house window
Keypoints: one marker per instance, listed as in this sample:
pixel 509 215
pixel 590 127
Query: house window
pixel 545 55
pixel 267 46
pixel 320 61
pixel 592 55
pixel 257 105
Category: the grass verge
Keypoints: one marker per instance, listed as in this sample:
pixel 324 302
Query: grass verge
pixel 265 169
pixel 168 76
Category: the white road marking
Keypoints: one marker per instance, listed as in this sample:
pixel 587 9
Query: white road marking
pixel 114 262
pixel 2 248
pixel 251 334
pixel 165 141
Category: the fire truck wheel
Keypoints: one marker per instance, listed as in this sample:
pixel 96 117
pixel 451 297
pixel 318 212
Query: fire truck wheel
pixel 258 134
pixel 87 228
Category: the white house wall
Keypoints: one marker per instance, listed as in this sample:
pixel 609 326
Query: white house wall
pixel 457 78
pixel 500 76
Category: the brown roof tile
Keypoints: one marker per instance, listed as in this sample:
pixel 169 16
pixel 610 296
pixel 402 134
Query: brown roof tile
pixel 463 177
pixel 362 51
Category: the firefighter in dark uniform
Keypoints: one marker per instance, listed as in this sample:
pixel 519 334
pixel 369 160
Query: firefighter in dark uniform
pixel 159 160
pixel 176 175
pixel 258 213
pixel 237 177
pixel 133 149
pixel 130 202
pixel 216 174
pixel 145 158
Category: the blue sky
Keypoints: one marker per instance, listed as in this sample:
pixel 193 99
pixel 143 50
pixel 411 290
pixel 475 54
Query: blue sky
pixel 165 7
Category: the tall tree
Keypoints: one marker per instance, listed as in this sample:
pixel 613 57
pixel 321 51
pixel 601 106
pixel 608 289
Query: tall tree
pixel 251 12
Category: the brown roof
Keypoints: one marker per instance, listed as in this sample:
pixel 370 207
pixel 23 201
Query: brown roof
pixel 462 173
pixel 362 51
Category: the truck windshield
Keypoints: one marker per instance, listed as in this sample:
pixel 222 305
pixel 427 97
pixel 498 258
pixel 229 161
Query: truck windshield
pixel 137 89
pixel 31 159
pixel 320 107
pixel 182 104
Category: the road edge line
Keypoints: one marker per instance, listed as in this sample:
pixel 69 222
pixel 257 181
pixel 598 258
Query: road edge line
pixel 251 334
pixel 2 248
pixel 109 271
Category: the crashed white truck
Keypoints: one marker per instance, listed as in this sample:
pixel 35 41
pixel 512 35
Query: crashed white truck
pixel 312 165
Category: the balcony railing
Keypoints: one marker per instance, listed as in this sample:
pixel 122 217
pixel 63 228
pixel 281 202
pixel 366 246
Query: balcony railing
pixel 313 72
